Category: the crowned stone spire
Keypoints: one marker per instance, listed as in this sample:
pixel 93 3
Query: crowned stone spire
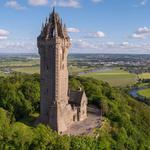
pixel 53 27
pixel 54 9
pixel 42 26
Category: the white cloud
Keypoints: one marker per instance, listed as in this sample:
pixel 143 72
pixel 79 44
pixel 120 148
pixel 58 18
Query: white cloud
pixel 73 30
pixel 3 34
pixel 66 3
pixel 143 30
pixel 37 2
pixel 141 3
pixel 84 46
pixel 144 2
pixel 19 46
pixel 137 36
pixel 97 1
pixel 78 46
pixel 141 33
pixel 98 34
pixel 3 37
pixel 125 43
pixel 14 4
pixel 110 44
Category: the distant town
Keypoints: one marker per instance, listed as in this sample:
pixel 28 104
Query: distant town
pixel 132 63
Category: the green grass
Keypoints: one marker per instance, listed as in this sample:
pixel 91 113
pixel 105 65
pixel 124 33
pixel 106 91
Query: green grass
pixel 144 76
pixel 29 70
pixel 24 66
pixel 2 73
pixel 12 63
pixel 145 93
pixel 76 70
pixel 143 84
pixel 114 77
pixel 36 69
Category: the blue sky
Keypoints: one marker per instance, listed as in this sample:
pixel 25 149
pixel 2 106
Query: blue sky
pixel 94 26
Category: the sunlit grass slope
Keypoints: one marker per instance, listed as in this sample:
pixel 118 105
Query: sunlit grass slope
pixel 144 76
pixel 28 70
pixel 114 77
pixel 145 93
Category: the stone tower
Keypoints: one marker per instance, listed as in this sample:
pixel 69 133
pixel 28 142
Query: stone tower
pixel 53 44
pixel 59 106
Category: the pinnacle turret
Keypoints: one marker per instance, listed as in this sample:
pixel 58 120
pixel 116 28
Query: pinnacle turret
pixel 53 27
pixel 54 9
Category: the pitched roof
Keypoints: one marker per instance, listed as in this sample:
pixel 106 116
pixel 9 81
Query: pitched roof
pixel 76 97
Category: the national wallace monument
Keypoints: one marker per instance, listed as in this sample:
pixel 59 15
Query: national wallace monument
pixel 59 106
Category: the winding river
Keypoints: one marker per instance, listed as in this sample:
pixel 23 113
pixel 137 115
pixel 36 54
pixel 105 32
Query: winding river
pixel 134 93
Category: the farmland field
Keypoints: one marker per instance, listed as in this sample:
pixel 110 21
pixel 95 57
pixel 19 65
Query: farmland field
pixel 76 70
pixel 145 93
pixel 115 77
pixel 144 76
pixel 29 70
pixel 96 66
pixel 36 69
pixel 11 63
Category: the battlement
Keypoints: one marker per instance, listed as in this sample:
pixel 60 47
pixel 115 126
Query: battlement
pixel 53 43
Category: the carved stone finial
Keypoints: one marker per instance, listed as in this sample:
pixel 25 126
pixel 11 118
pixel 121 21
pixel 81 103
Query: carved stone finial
pixel 46 21
pixel 53 9
pixel 42 25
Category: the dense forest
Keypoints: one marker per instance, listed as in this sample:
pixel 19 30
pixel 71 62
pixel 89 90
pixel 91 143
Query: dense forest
pixel 126 122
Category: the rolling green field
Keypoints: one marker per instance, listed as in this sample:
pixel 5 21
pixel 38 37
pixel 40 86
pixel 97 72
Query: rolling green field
pixel 29 70
pixel 145 93
pixel 114 77
pixel 144 76
pixel 36 69
pixel 76 70
pixel 12 63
